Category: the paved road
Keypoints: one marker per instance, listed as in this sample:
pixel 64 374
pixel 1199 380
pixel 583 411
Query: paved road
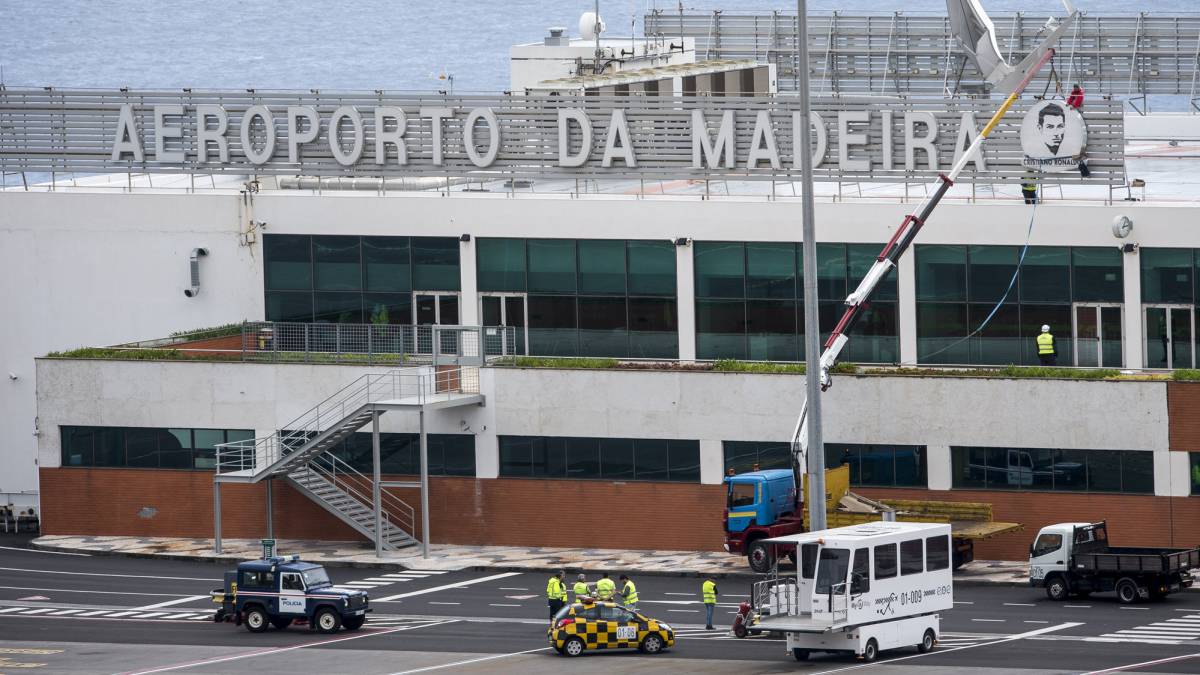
pixel 83 614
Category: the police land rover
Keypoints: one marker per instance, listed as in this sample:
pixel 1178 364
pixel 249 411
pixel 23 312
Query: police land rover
pixel 284 591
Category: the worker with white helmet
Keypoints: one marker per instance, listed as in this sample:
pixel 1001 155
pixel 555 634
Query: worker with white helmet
pixel 1047 353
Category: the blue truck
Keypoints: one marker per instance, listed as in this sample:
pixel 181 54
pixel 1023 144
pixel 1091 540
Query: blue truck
pixel 283 591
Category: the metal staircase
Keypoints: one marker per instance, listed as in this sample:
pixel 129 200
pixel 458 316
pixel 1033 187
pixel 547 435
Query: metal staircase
pixel 301 452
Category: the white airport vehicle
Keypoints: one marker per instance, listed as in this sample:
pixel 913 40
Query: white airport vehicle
pixel 859 589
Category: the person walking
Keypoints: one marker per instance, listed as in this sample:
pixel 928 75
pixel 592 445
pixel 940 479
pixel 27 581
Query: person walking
pixel 556 593
pixel 629 595
pixel 605 588
pixel 581 587
pixel 1047 353
pixel 709 592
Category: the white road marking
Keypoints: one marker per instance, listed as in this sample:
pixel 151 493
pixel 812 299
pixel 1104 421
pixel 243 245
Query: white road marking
pixel 70 590
pixel 501 604
pixel 12 609
pixel 1035 622
pixel 444 603
pixel 427 571
pixel 512 588
pixel 380 580
pixel 1144 664
pixel 101 612
pixel 469 661
pixel 1144 609
pixel 65 611
pixel 185 615
pixel 991 620
pixel 690 611
pixel 100 574
pixel 1019 604
pixel 435 589
pixel 37 611
pixel 112 616
pixel 1078 606
pixel 152 615
pixel 687 595
pixel 1117 638
pixel 34 550
pixel 179 601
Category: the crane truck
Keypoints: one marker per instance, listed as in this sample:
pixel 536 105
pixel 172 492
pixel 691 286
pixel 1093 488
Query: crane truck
pixel 767 504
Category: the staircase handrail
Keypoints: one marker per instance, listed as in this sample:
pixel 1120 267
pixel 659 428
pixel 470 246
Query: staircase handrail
pixel 389 503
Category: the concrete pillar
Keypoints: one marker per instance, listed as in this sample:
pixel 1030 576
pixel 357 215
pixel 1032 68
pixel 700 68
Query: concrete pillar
pixel 712 462
pixel 270 508
pixel 468 310
pixel 216 517
pixel 906 287
pixel 1179 473
pixel 685 290
pixel 937 464
pixel 1131 270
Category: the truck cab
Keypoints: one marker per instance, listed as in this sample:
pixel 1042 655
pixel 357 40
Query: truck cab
pixel 758 498
pixel 281 591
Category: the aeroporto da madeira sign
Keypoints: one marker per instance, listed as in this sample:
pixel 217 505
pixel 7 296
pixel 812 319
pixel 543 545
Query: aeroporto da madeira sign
pixel 294 133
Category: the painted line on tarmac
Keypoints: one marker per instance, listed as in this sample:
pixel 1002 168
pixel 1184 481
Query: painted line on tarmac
pixel 435 589
pixel 1019 604
pixel 179 601
pixel 470 661
pixel 1144 664
pixel 105 574
pixel 71 590
pixel 35 550
pixel 1010 638
pixel 279 650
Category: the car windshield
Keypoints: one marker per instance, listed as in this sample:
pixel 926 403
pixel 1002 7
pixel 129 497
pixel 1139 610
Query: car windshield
pixel 316 577
pixel 741 494
pixel 562 613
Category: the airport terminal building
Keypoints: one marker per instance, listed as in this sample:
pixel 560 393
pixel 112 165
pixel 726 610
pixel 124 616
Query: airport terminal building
pixel 669 262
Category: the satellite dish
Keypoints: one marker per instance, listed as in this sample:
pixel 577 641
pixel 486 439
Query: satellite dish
pixel 1122 226
pixel 588 23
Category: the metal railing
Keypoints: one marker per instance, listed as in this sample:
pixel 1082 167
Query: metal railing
pixel 353 483
pixel 375 344
pixel 415 386
pixel 776 596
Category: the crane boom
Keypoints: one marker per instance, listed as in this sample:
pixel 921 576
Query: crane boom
pixel 857 301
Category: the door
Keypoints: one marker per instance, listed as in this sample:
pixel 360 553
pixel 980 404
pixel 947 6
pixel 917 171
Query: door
pixel 1170 336
pixel 291 594
pixel 1046 555
pixel 434 308
pixel 831 591
pixel 505 309
pixel 1097 336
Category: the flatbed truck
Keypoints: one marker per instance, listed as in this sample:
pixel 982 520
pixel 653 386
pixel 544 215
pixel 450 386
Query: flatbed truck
pixel 1075 559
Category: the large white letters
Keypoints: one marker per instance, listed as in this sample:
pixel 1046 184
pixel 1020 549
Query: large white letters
pixel 912 142
pixel 394 137
pixel 127 138
pixel 260 156
pixel 967 133
pixel 215 135
pixel 618 130
pixel 351 114
pixel 816 125
pixel 565 117
pixel 298 137
pixel 704 150
pixel 763 144
pixel 162 132
pixel 436 115
pixel 846 140
pixel 492 125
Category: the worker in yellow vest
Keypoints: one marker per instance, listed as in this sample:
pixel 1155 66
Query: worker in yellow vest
pixel 605 588
pixel 708 590
pixel 556 593
pixel 629 594
pixel 581 587
pixel 1047 353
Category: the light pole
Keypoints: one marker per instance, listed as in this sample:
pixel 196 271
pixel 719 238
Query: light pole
pixel 812 326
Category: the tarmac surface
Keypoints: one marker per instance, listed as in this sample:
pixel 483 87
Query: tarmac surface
pixel 63 613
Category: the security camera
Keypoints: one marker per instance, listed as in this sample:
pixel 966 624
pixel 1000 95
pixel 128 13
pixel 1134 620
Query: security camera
pixel 14 377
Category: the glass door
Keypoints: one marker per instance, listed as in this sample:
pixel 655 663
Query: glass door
pixel 432 308
pixel 1097 335
pixel 1170 336
pixel 505 309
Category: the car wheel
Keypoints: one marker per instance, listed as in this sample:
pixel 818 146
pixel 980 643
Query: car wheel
pixel 799 654
pixel 256 620
pixel 1127 591
pixel 928 640
pixel 871 651
pixel 281 622
pixel 354 622
pixel 327 620
pixel 739 630
pixel 573 647
pixel 759 557
pixel 652 644
pixel 1056 589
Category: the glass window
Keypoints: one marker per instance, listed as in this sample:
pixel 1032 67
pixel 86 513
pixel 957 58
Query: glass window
pixel 1194 461
pixel 651 459
pixel 435 264
pixel 941 272
pixel 651 268
pixel 990 271
pixel 602 327
pixel 110 447
pixel 1045 544
pixel 384 309
pixel 885 561
pixel 940 327
pixel 606 458
pixel 860 258
pixel 288 262
pixel 338 308
pixel 1043 469
pixel 876 466
pixel 552 265
pixel 616 458
pixel 743 456
pixel 911 557
pixel 720 269
pixel 388 264
pixel 831 271
pixel 721 329
pixel 832 566
pixel 1167 275
pixel 771 333
pixel 1104 471
pixel 290 306
pixel 175 449
pixel 683 458
pixel 583 457
pixel 1000 341
pixel 77 446
pixel 338 263
pixel 552 325
pixel 1137 472
pixel 741 494
pixel 1046 274
pixel 141 448
pixel 860 573
pixel 601 267
pixel 1097 274
pixel 770 270
pixel 516 455
pixel 501 264
pixel 937 552
pixel 653 328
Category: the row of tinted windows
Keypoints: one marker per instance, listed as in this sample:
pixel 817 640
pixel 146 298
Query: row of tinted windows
pixel 870 465
pixel 448 454
pixel 1045 469
pixel 295 262
pixel 776 270
pixel 568 325
pixel 949 273
pixel 600 458
pixel 570 266
pixel 149 448
pixel 1170 275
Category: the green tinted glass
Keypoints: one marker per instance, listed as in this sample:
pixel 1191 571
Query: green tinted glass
pixel 552 265
pixel 435 264
pixel 860 258
pixel 1046 274
pixel 338 263
pixel 601 267
pixel 990 271
pixel 941 272
pixel 501 264
pixel 288 262
pixel 720 269
pixel 388 265
pixel 1097 274
pixel 651 268
pixel 770 270
pixel 1167 275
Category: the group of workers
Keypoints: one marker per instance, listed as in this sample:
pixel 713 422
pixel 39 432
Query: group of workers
pixel 605 589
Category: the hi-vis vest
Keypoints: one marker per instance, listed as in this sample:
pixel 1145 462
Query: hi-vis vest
pixel 580 589
pixel 710 592
pixel 630 592
pixel 1045 343
pixel 605 589
pixel 555 589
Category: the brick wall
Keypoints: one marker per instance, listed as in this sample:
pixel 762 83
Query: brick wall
pixel 1183 413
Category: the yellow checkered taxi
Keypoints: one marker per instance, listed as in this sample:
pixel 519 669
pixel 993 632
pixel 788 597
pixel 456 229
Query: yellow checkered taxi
pixel 589 624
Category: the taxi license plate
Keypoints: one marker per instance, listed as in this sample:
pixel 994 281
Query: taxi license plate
pixel 626 632
pixel 360 612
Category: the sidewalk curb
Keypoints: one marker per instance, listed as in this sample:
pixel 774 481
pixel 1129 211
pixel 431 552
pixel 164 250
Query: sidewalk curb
pixel 228 559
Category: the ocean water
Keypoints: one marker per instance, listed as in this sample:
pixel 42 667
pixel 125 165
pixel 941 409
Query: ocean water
pixel 351 44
